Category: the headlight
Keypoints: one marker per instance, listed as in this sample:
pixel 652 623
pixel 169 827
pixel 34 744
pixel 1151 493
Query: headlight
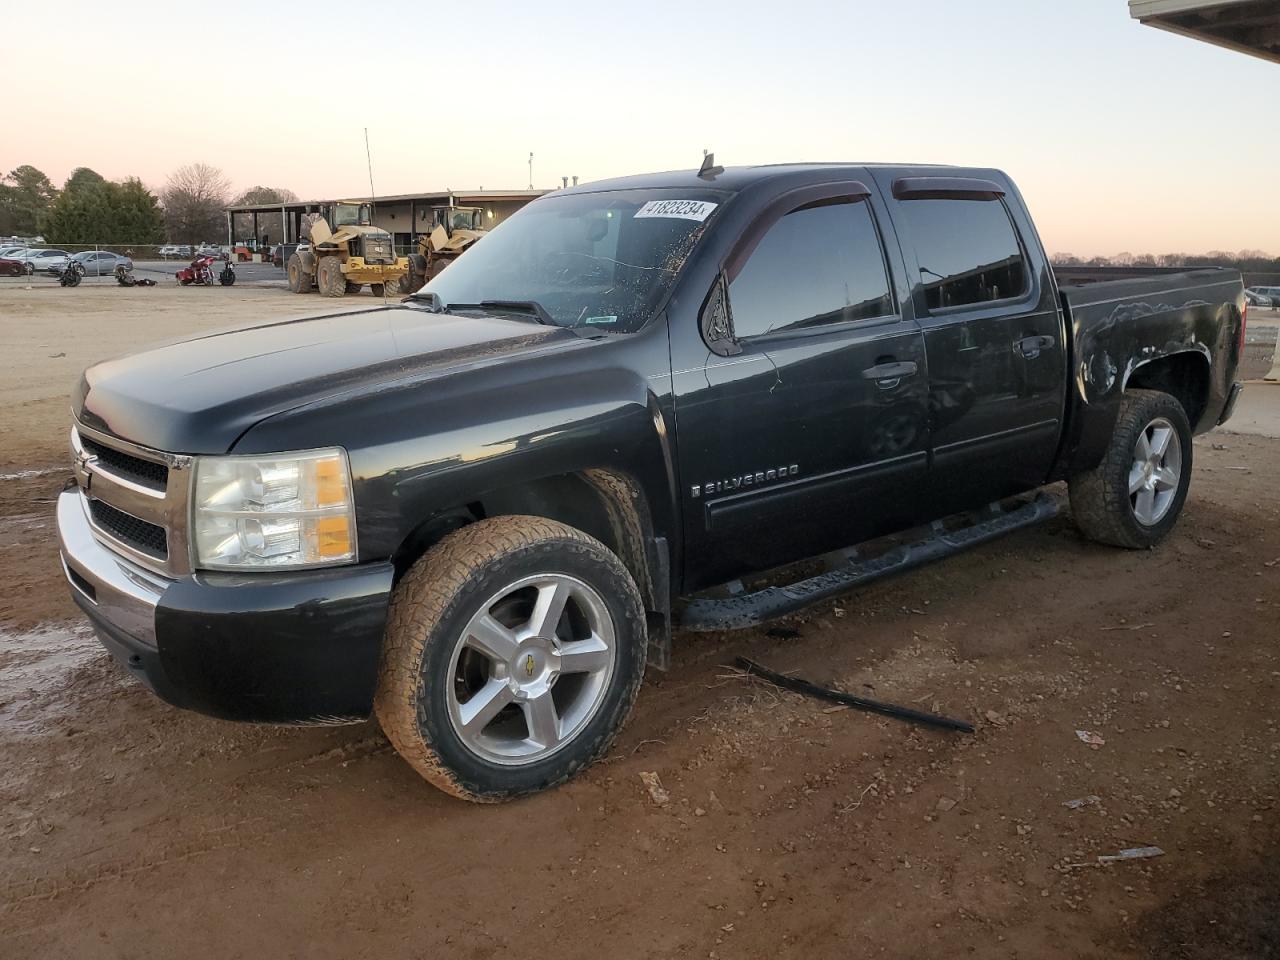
pixel 292 510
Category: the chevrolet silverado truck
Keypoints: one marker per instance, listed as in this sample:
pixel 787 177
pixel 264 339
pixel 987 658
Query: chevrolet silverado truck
pixel 478 513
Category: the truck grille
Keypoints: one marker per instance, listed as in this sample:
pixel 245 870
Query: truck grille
pixel 139 534
pixel 144 472
pixel 136 499
pixel 377 251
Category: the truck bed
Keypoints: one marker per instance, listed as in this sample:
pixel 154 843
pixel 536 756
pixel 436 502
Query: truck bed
pixel 1116 327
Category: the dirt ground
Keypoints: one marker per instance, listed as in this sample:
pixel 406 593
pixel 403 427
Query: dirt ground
pixel 130 829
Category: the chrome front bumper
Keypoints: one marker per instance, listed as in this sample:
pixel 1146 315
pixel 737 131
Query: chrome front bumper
pixel 108 587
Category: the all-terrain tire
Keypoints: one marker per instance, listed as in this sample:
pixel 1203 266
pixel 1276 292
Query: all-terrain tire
pixel 329 277
pixel 299 279
pixel 416 279
pixel 380 289
pixel 430 609
pixel 1100 499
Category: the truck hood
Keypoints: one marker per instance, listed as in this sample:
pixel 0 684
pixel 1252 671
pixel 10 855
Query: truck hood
pixel 199 395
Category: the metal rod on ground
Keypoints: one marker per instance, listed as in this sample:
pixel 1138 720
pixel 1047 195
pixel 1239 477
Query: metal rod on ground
pixel 861 703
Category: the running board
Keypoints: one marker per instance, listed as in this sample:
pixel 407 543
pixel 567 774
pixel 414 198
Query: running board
pixel 750 609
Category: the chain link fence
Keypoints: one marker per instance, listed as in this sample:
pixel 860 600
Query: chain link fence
pixel 42 264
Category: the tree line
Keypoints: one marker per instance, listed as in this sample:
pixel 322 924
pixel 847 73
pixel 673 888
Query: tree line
pixel 1252 260
pixel 90 209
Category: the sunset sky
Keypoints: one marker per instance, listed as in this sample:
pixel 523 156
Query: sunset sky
pixel 1122 137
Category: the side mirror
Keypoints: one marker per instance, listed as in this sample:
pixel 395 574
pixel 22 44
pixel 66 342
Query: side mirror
pixel 717 323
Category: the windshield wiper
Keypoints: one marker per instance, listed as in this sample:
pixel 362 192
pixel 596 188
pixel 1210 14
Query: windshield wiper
pixel 529 308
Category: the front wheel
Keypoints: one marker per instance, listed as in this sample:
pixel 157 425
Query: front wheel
pixel 513 654
pixel 329 277
pixel 299 279
pixel 1133 498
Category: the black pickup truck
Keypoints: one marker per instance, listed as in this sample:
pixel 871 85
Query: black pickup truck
pixel 479 512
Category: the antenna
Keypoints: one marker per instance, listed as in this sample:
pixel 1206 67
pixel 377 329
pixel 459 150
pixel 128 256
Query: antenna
pixel 368 158
pixel 373 201
pixel 709 170
pixel 530 169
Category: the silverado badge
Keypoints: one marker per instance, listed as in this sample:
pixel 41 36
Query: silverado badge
pixel 755 479
pixel 528 665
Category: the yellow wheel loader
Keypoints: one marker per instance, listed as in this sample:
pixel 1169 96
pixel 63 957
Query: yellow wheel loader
pixel 345 253
pixel 454 230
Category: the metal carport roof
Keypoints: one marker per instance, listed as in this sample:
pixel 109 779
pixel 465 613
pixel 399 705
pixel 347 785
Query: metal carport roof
pixel 1249 26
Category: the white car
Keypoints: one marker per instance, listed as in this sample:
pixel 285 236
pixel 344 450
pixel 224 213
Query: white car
pixel 169 250
pixel 48 261
pixel 1264 296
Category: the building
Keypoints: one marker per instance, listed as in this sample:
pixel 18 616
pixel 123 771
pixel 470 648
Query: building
pixel 1249 26
pixel 404 216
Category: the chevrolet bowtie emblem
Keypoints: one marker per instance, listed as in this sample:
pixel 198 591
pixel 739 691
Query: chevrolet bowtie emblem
pixel 528 665
pixel 83 476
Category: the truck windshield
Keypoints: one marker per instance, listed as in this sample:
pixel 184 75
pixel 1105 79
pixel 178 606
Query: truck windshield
pixel 597 260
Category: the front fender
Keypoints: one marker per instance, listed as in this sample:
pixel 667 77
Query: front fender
pixel 422 448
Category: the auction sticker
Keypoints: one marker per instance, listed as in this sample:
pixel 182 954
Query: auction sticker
pixel 680 209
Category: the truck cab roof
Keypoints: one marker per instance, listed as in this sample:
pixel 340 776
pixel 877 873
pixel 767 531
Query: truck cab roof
pixel 736 179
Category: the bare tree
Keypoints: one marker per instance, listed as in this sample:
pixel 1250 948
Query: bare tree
pixel 265 195
pixel 194 200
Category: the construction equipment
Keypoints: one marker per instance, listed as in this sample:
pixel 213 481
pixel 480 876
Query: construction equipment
pixel 346 252
pixel 453 230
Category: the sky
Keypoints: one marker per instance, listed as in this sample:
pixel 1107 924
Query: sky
pixel 1121 137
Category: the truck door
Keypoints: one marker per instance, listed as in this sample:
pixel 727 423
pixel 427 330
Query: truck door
pixel 814 434
pixel 993 338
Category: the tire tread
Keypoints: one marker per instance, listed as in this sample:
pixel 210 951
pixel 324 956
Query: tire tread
pixel 1099 497
pixel 424 597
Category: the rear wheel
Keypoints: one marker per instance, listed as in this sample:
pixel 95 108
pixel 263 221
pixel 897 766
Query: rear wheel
pixel 417 276
pixel 1133 498
pixel 378 289
pixel 299 279
pixel 514 651
pixel 329 278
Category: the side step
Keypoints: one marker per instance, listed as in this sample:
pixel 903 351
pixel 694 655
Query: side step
pixel 750 609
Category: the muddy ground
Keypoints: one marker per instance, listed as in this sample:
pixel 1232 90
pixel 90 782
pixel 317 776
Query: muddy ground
pixel 129 829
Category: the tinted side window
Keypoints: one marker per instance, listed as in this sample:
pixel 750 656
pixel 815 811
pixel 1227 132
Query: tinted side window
pixel 819 264
pixel 968 251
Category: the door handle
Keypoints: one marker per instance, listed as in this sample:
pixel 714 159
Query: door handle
pixel 890 371
pixel 1030 347
pixel 887 375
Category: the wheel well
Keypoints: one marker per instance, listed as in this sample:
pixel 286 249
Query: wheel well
pixel 1184 376
pixel 606 505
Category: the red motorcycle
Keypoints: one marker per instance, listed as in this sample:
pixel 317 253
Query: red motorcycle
pixel 200 273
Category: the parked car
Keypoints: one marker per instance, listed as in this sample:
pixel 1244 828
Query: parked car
pixel 184 250
pixel 14 266
pixel 1265 296
pixel 473 513
pixel 12 252
pixel 46 261
pixel 169 250
pixel 102 263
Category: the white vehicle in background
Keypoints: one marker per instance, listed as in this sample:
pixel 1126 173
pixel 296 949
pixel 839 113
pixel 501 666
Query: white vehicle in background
pixel 1263 296
pixel 46 261
pixel 169 250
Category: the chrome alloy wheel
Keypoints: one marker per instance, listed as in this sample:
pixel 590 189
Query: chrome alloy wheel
pixel 531 669
pixel 1155 472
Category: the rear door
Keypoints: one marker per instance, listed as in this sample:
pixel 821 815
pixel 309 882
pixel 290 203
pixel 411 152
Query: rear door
pixel 993 337
pixel 814 435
